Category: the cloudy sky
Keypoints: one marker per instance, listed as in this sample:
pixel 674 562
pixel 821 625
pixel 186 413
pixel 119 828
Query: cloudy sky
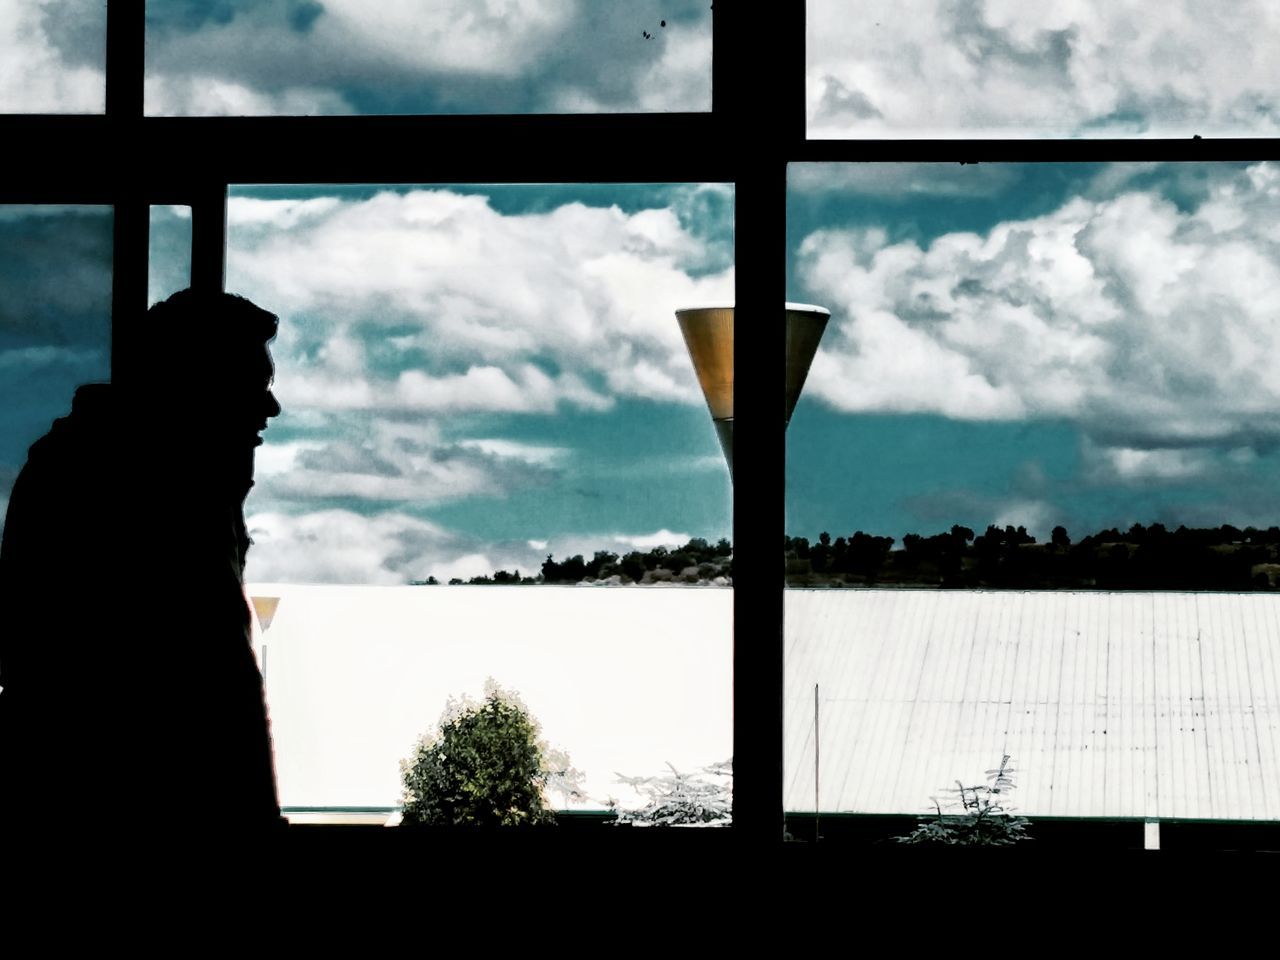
pixel 472 377
pixel 1055 68
pixel 475 377
pixel 448 56
pixel 267 57
pixel 1090 345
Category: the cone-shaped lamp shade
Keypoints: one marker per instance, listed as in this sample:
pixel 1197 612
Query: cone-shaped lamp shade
pixel 708 333
pixel 805 324
pixel 265 608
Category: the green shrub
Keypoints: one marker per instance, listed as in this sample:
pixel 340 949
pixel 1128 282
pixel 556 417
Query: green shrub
pixel 484 766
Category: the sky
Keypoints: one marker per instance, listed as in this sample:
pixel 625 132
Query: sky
pixel 255 57
pixel 473 377
pixel 336 57
pixel 53 56
pixel 305 57
pixel 55 320
pixel 1051 68
pixel 1088 345
pixel 476 377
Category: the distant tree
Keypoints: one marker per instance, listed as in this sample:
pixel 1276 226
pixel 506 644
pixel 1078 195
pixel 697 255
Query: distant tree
pixel 1059 538
pixel 633 565
pixel 723 548
pixel 455 581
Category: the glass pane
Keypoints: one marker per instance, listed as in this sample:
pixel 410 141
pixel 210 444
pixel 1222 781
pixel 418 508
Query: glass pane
pixel 55 320
pixel 169 252
pixel 1038 68
pixel 483 383
pixel 53 56
pixel 459 56
pixel 1039 430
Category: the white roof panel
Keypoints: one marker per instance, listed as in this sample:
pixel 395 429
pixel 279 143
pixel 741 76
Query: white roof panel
pixel 1110 704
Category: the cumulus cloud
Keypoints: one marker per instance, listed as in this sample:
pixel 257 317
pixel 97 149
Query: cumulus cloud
pixel 360 459
pixel 343 56
pixel 939 68
pixel 1150 326
pixel 338 546
pixel 52 56
pixel 582 315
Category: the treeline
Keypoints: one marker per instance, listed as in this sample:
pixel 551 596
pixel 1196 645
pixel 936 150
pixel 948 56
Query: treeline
pixel 696 562
pixel 1140 558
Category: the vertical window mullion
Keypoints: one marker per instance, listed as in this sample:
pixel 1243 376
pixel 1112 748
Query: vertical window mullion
pixel 126 43
pixel 759 349
pixel 209 238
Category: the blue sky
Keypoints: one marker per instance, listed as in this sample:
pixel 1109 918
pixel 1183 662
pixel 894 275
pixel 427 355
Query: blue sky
pixel 1051 68
pixel 476 376
pixel 1079 344
pixel 55 319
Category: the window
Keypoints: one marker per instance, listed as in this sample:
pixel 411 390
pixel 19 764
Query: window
pixel 476 379
pixel 1035 423
pixel 150 168
pixel 930 69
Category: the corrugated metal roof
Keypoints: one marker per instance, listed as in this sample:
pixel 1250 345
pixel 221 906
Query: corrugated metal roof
pixel 1158 705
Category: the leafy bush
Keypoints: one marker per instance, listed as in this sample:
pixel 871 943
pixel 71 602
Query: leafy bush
pixel 682 799
pixel 484 766
pixel 982 819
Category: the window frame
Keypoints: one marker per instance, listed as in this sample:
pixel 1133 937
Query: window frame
pixel 130 161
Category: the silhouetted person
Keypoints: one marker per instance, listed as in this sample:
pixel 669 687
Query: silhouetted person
pixel 132 705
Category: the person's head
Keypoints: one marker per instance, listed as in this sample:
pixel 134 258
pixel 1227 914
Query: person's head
pixel 205 356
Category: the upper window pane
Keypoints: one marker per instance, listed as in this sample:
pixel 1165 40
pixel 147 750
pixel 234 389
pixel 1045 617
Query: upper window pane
pixel 302 57
pixel 53 56
pixel 1039 68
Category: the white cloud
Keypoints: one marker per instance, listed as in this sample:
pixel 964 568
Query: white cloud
pixel 647 541
pixel 977 68
pixel 35 77
pixel 1037 516
pixel 468 55
pixel 513 450
pixel 590 290
pixel 203 95
pixel 380 459
pixel 1129 465
pixel 337 546
pixel 1152 327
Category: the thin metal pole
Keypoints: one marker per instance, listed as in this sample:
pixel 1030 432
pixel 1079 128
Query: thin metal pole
pixel 816 835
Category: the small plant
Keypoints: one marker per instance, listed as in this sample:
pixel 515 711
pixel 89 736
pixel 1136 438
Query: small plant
pixel 982 818
pixel 682 799
pixel 485 766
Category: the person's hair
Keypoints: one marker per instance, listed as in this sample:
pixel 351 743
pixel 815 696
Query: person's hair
pixel 196 336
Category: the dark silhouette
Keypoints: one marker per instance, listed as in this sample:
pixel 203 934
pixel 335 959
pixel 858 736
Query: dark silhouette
pixel 132 705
